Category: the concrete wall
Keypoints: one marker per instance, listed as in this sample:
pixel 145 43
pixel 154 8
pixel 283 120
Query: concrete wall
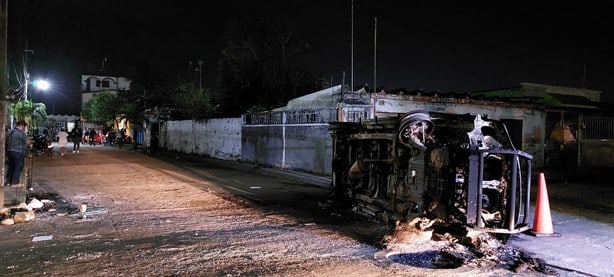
pixel 218 138
pixel 304 147
pixel 596 153
pixel 281 140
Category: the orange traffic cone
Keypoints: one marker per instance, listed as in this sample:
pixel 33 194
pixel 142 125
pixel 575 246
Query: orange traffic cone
pixel 542 221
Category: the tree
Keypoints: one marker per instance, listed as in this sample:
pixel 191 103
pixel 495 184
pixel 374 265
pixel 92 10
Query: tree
pixel 265 64
pixel 148 88
pixel 193 102
pixel 103 109
pixel 130 105
pixel 35 114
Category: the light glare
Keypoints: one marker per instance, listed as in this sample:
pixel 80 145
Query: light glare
pixel 41 84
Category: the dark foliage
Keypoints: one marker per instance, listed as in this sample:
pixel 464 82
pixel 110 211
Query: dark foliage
pixel 263 64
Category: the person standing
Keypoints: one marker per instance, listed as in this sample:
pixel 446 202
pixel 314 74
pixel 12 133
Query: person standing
pixel 62 141
pixel 76 135
pixel 92 134
pixel 16 146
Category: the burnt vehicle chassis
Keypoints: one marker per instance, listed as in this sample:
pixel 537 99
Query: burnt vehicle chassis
pixel 461 169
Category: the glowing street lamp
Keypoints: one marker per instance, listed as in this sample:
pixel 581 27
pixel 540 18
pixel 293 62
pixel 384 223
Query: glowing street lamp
pixel 41 84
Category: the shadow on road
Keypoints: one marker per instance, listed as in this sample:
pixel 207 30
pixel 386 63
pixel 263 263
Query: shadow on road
pixel 308 204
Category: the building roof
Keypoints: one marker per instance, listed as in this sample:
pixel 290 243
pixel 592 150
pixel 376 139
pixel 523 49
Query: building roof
pixel 547 95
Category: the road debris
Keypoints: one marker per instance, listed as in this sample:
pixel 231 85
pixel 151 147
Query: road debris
pixel 42 238
pixel 428 243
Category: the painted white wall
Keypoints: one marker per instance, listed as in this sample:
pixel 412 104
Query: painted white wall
pixel 219 138
pixel 115 84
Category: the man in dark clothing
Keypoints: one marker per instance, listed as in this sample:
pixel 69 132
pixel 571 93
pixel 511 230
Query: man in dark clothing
pixel 16 149
pixel 92 135
pixel 76 135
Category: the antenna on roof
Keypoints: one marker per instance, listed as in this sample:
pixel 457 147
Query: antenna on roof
pixel 103 63
pixel 584 77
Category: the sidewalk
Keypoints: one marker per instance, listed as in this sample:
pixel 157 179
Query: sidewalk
pixel 583 219
pixel 583 247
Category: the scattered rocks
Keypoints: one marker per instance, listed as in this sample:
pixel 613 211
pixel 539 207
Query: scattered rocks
pixel 23 212
pixel 5 212
pixel 21 217
pixel 35 204
pixel 7 221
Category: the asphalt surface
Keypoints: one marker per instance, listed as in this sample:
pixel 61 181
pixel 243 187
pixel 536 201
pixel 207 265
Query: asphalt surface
pixel 582 216
pixel 581 211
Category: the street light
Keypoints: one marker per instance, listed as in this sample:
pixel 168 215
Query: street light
pixel 44 85
pixel 41 84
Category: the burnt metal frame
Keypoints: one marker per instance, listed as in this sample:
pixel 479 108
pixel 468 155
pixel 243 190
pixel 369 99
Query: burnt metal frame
pixel 474 191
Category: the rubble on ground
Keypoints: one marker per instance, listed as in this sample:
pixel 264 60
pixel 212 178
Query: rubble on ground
pixel 23 212
pixel 430 243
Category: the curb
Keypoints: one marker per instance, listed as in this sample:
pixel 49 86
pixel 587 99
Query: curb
pixel 311 179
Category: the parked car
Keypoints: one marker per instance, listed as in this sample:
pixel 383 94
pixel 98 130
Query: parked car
pixel 98 139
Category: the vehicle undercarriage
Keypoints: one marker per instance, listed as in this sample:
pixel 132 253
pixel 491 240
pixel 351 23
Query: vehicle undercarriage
pixel 460 169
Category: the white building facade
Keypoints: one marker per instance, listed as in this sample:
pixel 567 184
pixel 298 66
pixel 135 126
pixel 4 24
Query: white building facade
pixel 93 84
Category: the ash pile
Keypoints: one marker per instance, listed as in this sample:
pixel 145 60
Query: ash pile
pixel 430 243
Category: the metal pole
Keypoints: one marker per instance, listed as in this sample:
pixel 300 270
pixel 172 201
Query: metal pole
pixel 352 52
pixel 527 191
pixel 511 205
pixel 3 88
pixel 375 55
pixel 200 74
pixel 26 75
pixel 25 71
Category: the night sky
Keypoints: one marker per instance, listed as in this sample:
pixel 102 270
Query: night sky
pixel 432 45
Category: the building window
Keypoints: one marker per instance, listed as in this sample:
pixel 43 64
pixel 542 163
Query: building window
pixel 106 84
pixel 97 83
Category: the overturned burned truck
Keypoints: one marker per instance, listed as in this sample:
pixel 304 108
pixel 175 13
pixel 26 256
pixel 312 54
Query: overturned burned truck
pixel 462 169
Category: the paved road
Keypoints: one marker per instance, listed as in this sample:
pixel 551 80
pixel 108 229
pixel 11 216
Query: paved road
pixel 147 217
pixel 582 208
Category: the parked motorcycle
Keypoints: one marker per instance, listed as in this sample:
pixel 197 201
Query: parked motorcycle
pixel 42 145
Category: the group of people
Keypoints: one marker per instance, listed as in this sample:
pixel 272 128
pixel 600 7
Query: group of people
pixel 18 142
pixel 75 136
pixel 91 136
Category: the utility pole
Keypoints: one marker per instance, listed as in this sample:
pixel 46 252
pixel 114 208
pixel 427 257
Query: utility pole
pixel 26 74
pixel 584 77
pixel 104 61
pixel 352 53
pixel 200 75
pixel 3 88
pixel 375 55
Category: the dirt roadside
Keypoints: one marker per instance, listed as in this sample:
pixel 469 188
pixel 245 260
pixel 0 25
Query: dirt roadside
pixel 146 217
